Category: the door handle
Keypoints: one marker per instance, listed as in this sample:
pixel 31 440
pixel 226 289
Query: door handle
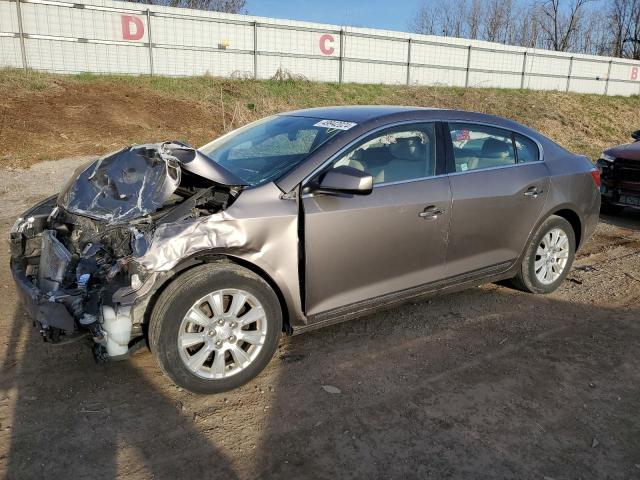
pixel 431 213
pixel 532 192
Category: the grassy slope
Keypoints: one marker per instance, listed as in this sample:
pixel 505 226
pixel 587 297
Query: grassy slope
pixel 45 116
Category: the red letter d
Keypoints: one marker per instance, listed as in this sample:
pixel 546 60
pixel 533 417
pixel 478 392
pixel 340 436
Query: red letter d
pixel 127 34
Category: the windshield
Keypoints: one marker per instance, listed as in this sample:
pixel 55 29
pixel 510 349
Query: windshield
pixel 265 150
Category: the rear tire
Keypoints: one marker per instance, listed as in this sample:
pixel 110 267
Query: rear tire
pixel 548 257
pixel 215 327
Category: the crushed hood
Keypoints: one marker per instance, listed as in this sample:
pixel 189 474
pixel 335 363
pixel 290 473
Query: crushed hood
pixel 138 180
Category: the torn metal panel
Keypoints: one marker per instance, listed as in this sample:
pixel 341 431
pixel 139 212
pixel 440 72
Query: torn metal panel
pixel 260 228
pixel 127 184
pixel 137 181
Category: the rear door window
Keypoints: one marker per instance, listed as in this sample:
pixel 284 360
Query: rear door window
pixel 477 147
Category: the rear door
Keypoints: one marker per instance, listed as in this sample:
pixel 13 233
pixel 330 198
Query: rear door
pixel 362 247
pixel 499 184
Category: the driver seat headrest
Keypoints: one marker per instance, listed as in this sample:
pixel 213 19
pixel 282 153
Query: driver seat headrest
pixel 495 148
pixel 408 149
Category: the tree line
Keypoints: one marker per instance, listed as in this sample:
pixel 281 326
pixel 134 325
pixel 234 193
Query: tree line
pixel 598 27
pixel 225 6
pixel 610 28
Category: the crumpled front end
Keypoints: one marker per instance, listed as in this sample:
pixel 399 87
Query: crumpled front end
pixel 67 269
pixel 74 256
pixel 39 263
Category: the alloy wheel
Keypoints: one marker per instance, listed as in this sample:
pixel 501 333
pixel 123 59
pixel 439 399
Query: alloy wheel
pixel 551 256
pixel 222 333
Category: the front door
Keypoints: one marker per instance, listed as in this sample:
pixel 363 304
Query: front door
pixel 362 247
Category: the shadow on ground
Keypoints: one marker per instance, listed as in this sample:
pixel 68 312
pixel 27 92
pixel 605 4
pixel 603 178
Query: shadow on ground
pixel 628 218
pixel 486 383
pixel 72 419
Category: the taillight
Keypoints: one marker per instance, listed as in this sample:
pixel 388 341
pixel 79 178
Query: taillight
pixel 596 177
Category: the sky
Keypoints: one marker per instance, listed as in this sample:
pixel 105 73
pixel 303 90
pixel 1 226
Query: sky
pixel 384 14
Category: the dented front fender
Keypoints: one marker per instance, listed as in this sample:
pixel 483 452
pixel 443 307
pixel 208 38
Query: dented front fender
pixel 260 228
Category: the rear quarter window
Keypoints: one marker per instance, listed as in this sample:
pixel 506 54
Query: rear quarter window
pixel 527 149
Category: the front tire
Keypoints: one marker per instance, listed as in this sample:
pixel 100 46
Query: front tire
pixel 215 327
pixel 548 257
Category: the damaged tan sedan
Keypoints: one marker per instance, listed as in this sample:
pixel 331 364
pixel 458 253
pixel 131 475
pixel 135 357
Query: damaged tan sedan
pixel 294 222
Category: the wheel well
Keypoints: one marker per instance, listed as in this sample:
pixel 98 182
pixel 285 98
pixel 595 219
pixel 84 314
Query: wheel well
pixel 286 324
pixel 201 259
pixel 573 218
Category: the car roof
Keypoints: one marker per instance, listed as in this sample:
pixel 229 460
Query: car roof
pixel 356 113
pixel 368 115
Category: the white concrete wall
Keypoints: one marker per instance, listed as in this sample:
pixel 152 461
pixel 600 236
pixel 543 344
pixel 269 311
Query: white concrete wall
pixel 105 36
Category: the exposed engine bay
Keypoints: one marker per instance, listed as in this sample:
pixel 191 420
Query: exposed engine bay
pixel 74 253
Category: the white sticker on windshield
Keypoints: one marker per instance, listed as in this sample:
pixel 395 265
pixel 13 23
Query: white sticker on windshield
pixel 338 125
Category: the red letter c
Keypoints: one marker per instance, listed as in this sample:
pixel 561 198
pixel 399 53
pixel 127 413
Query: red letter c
pixel 327 50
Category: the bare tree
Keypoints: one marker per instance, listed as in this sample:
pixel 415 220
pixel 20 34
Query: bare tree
pixel 595 35
pixel 452 23
pixel 226 6
pixel 497 21
pixel 437 18
pixel 633 33
pixel 561 25
pixel 600 27
pixel 474 18
pixel 424 21
pixel 527 28
pixel 624 18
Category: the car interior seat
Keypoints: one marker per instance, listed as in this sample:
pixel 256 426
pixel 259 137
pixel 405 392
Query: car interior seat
pixel 496 153
pixel 409 160
pixel 404 159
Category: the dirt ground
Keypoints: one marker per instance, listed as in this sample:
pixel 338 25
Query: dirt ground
pixel 487 383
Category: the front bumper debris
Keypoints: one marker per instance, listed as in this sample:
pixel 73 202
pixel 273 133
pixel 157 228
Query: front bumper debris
pixel 56 294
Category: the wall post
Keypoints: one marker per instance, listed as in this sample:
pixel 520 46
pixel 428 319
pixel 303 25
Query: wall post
pixel 23 49
pixel 341 59
pixel 255 50
pixel 569 76
pixel 466 79
pixel 150 42
pixel 409 62
pixel 606 85
pixel 524 69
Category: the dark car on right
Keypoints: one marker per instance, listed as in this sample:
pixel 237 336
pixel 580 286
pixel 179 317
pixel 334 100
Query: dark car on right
pixel 620 173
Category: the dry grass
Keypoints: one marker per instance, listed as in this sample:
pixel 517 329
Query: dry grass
pixel 45 116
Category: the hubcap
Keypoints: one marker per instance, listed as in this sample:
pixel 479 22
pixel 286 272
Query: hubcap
pixel 222 333
pixel 551 256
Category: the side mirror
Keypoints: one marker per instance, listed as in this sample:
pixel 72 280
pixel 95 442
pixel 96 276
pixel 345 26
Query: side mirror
pixel 636 135
pixel 345 180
